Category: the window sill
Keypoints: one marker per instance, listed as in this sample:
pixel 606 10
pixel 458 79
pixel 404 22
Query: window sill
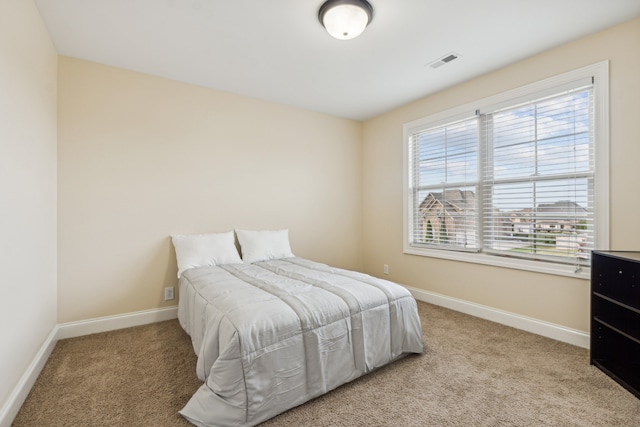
pixel 584 272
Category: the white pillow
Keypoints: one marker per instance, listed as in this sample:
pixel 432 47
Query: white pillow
pixel 264 245
pixel 199 250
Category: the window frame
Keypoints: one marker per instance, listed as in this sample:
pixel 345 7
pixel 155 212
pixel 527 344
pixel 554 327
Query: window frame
pixel 600 73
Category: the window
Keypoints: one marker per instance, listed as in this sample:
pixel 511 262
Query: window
pixel 519 179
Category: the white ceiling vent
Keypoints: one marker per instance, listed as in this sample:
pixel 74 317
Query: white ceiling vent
pixel 444 60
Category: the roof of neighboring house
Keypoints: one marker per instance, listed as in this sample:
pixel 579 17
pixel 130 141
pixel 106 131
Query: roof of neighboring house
pixel 561 206
pixel 457 200
pixel 460 200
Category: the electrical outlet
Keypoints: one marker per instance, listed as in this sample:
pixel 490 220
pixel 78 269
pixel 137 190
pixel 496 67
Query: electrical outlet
pixel 168 294
pixel 385 269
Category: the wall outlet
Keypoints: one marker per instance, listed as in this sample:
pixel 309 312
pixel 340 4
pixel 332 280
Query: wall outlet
pixel 168 294
pixel 385 269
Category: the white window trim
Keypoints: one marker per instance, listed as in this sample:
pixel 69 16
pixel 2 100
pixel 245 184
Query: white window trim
pixel 600 71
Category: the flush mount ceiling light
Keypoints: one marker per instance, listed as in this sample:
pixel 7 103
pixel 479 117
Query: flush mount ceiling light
pixel 345 19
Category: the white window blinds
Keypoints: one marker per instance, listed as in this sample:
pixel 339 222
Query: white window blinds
pixel 513 179
pixel 444 185
pixel 538 172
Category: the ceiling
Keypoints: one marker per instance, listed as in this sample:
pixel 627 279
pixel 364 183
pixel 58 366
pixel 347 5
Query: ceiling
pixel 277 50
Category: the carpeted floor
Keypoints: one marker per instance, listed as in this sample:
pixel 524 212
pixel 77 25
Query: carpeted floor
pixel 472 373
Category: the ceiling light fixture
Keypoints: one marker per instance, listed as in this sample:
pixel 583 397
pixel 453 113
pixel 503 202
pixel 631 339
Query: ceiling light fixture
pixel 345 19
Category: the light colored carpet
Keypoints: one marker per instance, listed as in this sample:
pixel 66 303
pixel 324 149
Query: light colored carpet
pixel 472 373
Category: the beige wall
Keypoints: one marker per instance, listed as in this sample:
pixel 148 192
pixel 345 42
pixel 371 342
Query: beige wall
pixel 142 157
pixel 28 63
pixel 556 299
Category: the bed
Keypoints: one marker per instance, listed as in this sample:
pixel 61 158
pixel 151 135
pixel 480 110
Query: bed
pixel 271 334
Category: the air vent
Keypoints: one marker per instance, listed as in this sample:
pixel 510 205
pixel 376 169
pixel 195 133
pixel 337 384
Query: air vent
pixel 444 60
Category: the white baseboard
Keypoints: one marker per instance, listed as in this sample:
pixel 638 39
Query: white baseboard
pixel 110 323
pixel 539 327
pixel 11 407
pixel 69 330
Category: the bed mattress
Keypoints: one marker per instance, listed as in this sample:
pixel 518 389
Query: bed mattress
pixel 274 334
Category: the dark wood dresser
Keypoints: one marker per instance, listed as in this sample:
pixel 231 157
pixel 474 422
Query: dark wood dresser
pixel 615 316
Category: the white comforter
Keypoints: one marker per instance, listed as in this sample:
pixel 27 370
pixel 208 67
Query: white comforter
pixel 274 334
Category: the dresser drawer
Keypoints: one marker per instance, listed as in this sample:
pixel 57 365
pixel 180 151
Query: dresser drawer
pixel 612 346
pixel 616 278
pixel 616 316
